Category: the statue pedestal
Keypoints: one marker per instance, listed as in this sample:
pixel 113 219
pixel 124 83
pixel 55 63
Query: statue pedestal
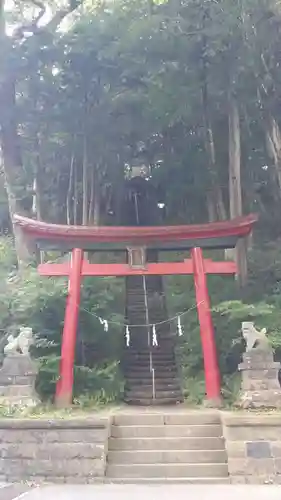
pixel 260 386
pixel 17 378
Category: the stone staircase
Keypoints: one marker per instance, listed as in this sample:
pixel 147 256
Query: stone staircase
pixel 175 447
pixel 141 358
pixel 138 376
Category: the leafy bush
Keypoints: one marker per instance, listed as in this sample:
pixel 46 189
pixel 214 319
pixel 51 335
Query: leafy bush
pixel 260 302
pixel 101 384
pixel 29 300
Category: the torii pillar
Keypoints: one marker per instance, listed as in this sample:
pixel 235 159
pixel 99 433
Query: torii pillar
pixel 65 382
pixel 211 369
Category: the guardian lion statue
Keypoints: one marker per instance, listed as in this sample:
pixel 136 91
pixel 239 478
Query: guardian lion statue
pixel 254 339
pixel 21 343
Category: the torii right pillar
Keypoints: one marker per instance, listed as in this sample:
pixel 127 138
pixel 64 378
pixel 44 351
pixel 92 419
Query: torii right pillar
pixel 211 368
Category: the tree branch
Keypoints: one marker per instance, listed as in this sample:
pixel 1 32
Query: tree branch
pixel 31 27
pixel 61 14
pixel 52 25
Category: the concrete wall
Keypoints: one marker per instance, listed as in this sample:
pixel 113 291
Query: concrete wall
pixel 53 450
pixel 253 444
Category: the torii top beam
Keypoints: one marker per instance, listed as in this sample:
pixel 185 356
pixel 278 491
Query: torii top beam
pixel 62 237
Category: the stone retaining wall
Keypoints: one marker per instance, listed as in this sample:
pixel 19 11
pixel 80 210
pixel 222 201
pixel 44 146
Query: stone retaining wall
pixel 75 450
pixel 71 450
pixel 253 444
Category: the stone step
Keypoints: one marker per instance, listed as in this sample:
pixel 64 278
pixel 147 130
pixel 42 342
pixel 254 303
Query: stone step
pixel 169 443
pixel 167 456
pixel 153 402
pixel 145 362
pixel 168 354
pixel 168 480
pixel 158 366
pixel 161 383
pixel 166 339
pixel 163 351
pixel 148 393
pixel 147 386
pixel 163 348
pixel 147 376
pixel 153 431
pixel 166 346
pixel 204 417
pixel 167 470
pixel 145 355
pixel 140 369
pixel 145 372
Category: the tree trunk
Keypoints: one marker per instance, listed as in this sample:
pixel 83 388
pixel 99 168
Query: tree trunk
pixel 38 187
pixel 13 168
pixel 215 203
pixel 75 197
pixel 92 195
pixel 69 192
pixel 235 197
pixel 273 143
pixel 94 204
pixel 9 137
pixel 211 208
pixel 215 194
pixel 10 146
pixel 85 185
pixel 96 208
pixel 235 194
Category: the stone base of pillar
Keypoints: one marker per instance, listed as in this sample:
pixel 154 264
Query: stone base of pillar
pixel 17 379
pixel 260 387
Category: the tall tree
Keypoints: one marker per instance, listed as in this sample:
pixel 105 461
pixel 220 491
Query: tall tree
pixel 26 38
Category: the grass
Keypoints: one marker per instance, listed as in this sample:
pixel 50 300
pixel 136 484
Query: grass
pixel 50 411
pixel 194 392
pixel 76 411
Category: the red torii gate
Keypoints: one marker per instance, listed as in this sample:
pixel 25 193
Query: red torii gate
pixel 78 238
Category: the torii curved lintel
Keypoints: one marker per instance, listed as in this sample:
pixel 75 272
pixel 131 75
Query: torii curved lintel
pixel 39 230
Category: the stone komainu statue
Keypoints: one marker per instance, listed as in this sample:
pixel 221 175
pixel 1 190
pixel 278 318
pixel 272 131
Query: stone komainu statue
pixel 21 343
pixel 254 339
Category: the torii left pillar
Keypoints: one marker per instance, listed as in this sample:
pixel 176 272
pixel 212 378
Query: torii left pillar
pixel 212 375
pixel 65 382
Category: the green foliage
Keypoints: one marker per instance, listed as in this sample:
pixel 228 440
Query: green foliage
pixel 193 388
pixel 28 300
pixel 99 385
pixel 259 303
pixel 126 75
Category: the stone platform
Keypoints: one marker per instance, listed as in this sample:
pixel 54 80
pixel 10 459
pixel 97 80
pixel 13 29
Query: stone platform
pixel 153 447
